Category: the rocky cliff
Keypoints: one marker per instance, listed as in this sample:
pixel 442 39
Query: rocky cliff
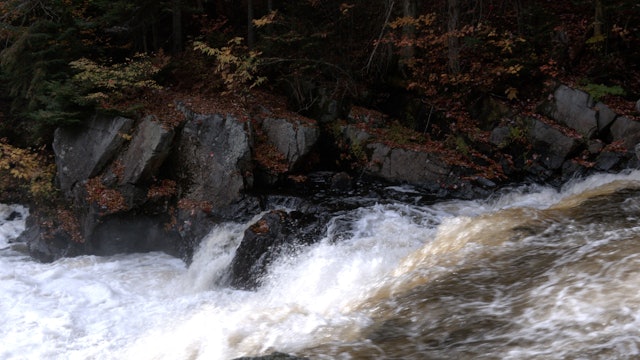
pixel 143 185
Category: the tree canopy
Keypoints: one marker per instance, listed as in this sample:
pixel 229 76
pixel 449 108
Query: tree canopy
pixel 61 59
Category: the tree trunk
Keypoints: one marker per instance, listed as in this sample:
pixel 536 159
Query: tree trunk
pixel 409 9
pixel 598 20
pixel 453 42
pixel 251 34
pixel 177 26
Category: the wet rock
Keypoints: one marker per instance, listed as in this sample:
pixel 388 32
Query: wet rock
pixel 605 116
pixel 278 232
pixel 609 161
pixel 638 106
pixel 274 356
pixel 14 215
pixel 500 136
pixel 396 164
pixel 47 245
pixel 341 182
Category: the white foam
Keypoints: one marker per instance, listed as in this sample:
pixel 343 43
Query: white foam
pixel 10 230
pixel 151 306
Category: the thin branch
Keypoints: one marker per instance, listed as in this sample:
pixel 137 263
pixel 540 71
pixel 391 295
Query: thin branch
pixel 382 30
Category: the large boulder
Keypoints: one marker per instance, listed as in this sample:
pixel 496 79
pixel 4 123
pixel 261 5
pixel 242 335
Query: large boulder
pixel 213 158
pixel 404 165
pixel 294 138
pixel 576 109
pixel 627 131
pixel 83 152
pixel 278 232
pixel 396 163
pixel 147 151
pixel 551 145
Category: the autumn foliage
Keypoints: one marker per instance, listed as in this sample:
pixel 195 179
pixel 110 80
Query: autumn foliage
pixel 423 63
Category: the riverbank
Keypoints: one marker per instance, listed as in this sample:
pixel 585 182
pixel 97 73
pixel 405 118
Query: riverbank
pixel 162 182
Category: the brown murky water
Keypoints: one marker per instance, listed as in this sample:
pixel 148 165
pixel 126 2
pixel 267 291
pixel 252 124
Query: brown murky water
pixel 521 283
pixel 533 273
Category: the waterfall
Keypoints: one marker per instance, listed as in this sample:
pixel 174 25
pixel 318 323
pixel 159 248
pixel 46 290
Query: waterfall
pixel 529 273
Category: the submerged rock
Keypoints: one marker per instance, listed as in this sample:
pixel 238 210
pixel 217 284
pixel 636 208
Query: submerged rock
pixel 277 233
pixel 274 356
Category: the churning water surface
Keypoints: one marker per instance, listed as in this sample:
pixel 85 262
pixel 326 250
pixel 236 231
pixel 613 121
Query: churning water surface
pixel 532 273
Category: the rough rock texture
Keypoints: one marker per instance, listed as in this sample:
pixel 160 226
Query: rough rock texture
pixel 551 144
pixel 573 108
pixel 123 233
pixel 276 233
pixel 81 153
pixel 397 164
pixel 294 139
pixel 54 246
pixel 137 186
pixel 414 167
pixel 125 195
pixel 626 130
pixel 147 151
pixel 605 117
pixel 213 158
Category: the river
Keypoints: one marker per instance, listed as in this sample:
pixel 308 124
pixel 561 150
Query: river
pixel 529 273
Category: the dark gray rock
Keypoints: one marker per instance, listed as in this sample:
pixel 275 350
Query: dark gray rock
pixel 128 233
pixel 48 244
pixel 573 108
pixel 341 182
pixel 82 153
pixel 638 106
pixel 276 233
pixel 213 158
pixel 397 164
pixel 403 165
pixel 274 356
pixel 605 116
pixel 147 151
pixel 608 161
pixel 293 138
pixel 550 144
pixel 626 130
pixel 500 136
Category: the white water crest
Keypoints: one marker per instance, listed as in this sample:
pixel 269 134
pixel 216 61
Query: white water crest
pixel 533 273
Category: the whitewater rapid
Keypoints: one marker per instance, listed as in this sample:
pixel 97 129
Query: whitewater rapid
pixel 399 281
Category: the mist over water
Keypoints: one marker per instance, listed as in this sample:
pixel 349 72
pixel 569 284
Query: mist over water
pixel 531 273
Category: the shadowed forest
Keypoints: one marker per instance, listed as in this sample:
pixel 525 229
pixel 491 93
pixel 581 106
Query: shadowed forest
pixel 424 64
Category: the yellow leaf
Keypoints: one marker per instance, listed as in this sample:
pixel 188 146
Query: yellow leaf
pixel 512 93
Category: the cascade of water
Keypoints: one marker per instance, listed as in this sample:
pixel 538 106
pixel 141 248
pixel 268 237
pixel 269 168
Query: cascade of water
pixel 532 273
